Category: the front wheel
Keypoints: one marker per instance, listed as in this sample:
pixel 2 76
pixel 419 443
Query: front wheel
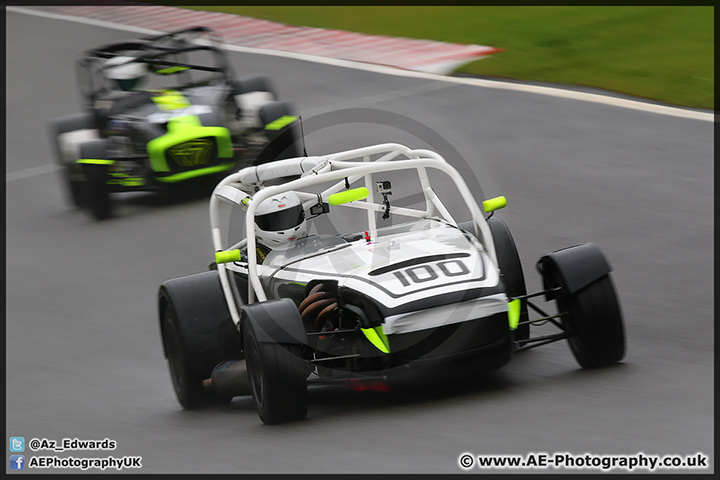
pixel 98 193
pixel 277 377
pixel 77 189
pixel 593 315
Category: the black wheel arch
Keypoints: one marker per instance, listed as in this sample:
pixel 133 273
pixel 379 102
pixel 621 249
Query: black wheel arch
pixel 275 321
pixel 572 268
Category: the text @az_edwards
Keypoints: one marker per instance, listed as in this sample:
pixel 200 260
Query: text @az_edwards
pixel 71 444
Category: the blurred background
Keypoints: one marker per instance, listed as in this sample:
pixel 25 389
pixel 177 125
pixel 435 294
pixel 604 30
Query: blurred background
pixel 658 53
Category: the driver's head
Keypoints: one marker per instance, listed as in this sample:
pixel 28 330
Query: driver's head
pixel 280 219
pixel 125 74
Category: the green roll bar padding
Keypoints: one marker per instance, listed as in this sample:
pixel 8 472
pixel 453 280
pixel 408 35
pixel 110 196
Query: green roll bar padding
pixel 378 338
pixel 179 177
pixel 281 122
pixel 493 204
pixel 95 161
pixel 228 256
pixel 348 196
pixel 166 71
pixel 514 313
pixel 183 129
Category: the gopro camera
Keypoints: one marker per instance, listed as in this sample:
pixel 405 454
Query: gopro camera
pixel 383 187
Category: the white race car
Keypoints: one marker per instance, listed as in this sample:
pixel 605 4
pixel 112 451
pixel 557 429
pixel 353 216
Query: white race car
pixel 283 309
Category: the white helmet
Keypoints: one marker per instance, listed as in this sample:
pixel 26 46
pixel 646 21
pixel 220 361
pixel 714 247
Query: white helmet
pixel 126 74
pixel 280 219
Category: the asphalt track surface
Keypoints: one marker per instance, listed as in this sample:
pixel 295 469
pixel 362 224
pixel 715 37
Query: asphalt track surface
pixel 84 357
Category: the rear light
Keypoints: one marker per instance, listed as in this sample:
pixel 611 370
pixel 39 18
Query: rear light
pixel 363 385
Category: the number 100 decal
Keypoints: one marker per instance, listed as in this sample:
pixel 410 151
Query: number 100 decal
pixel 428 272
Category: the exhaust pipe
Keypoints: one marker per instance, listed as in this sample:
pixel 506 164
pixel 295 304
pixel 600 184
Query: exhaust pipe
pixel 229 379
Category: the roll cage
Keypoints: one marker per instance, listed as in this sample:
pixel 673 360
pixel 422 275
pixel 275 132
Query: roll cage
pixel 246 189
pixel 153 51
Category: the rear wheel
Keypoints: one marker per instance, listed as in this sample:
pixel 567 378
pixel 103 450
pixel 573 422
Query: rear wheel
pixel 593 314
pixel 197 333
pixel 83 127
pixel 512 273
pixel 281 130
pixel 277 377
pixel 511 270
pixel 186 381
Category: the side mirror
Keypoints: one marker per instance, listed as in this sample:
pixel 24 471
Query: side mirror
pixel 319 208
pixel 493 204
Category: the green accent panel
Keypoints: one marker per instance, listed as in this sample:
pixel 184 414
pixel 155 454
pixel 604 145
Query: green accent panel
pixel 493 204
pixel 281 122
pixel 193 153
pixel 514 313
pixel 127 182
pixel 229 256
pixel 169 70
pixel 170 100
pixel 133 182
pixel 96 161
pixel 378 338
pixel 179 177
pixel 182 130
pixel 348 196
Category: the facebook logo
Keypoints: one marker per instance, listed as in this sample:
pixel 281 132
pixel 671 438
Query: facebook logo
pixel 17 462
pixel 17 444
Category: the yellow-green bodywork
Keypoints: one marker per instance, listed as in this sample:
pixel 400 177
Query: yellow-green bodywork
pixel 95 161
pixel 188 136
pixel 378 338
pixel 514 313
pixel 281 122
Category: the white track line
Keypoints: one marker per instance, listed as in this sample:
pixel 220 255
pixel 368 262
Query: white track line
pixel 31 172
pixel 477 82
pixel 376 98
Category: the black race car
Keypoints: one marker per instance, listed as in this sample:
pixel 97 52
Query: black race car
pixel 165 111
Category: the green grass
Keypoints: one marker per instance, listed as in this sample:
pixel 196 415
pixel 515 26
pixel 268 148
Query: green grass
pixel 659 53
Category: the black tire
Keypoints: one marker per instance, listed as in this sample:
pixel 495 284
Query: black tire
pixel 284 142
pixel 78 193
pixel 510 268
pixel 197 333
pixel 277 377
pixel 594 314
pixel 98 192
pixel 187 382
pixel 252 83
pixel 512 272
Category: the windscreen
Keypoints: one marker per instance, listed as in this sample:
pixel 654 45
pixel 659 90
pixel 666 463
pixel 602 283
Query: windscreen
pixel 302 248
